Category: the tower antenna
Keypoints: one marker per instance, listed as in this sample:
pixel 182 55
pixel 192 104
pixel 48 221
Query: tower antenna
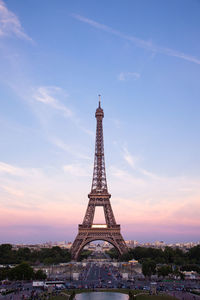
pixel 99 100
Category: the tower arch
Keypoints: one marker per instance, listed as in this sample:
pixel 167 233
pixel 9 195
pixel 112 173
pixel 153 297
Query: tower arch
pixel 95 239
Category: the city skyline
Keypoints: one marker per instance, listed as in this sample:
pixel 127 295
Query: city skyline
pixel 143 59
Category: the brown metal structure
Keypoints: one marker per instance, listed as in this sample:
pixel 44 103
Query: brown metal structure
pixel 98 196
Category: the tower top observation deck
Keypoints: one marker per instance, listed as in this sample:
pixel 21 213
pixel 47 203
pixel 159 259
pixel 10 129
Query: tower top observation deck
pixel 99 111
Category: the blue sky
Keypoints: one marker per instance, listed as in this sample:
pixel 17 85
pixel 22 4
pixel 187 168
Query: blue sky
pixel 143 58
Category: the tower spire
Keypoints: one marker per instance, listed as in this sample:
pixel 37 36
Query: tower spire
pixel 99 183
pixel 99 101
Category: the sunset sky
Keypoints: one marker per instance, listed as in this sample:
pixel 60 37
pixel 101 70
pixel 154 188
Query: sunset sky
pixel 143 57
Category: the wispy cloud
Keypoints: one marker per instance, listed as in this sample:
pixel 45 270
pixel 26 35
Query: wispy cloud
pixel 123 76
pixel 148 174
pixel 35 184
pixel 154 198
pixel 53 97
pixel 149 45
pixel 68 148
pixel 125 177
pixel 77 169
pixel 12 191
pixel 13 170
pixel 10 169
pixel 129 158
pixel 10 24
pixel 49 95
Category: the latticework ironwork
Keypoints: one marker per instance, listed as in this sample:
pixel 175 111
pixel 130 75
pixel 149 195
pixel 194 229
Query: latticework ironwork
pixel 99 183
pixel 98 196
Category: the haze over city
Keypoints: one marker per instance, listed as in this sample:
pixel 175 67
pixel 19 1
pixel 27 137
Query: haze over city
pixel 143 58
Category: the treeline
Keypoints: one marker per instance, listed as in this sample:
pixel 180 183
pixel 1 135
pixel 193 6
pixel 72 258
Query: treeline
pixel 159 256
pixel 162 262
pixel 84 254
pixel 46 256
pixel 21 272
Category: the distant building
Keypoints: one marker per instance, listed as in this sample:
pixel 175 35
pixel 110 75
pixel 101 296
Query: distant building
pixel 192 275
pixel 132 243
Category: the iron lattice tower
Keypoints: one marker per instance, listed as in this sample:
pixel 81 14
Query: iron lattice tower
pixel 98 196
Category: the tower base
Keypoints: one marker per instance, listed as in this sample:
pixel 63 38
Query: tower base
pixel 86 235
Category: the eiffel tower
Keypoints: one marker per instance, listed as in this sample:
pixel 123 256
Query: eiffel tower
pixel 99 196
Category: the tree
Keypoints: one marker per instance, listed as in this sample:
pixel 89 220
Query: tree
pixel 5 253
pixel 178 273
pixel 169 255
pixel 164 270
pixel 49 261
pixel 23 254
pixel 182 275
pixel 148 268
pixel 194 254
pixel 4 248
pixel 72 295
pixel 39 274
pixel 127 255
pixel 21 272
pixel 52 255
pixel 113 253
pixel 84 254
pixel 4 273
pixel 131 295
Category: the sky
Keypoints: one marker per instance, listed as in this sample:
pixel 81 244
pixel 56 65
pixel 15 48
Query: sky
pixel 143 57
